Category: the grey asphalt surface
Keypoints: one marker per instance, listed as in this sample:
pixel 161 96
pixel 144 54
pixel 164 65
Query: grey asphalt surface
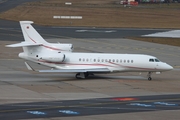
pixel 74 108
pixel 30 95
pixel 10 31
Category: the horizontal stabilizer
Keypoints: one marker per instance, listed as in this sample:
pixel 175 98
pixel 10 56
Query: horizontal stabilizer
pixel 99 70
pixel 23 44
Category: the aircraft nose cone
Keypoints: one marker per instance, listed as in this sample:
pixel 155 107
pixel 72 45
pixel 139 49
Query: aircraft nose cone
pixel 169 67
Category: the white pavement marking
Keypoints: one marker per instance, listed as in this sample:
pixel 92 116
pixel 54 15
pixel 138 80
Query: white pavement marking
pixel 100 31
pixel 170 34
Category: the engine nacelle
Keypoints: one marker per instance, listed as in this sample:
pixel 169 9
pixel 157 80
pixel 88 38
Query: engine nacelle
pixel 63 47
pixel 59 57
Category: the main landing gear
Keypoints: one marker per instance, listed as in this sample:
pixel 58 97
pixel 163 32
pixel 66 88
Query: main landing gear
pixel 149 76
pixel 82 75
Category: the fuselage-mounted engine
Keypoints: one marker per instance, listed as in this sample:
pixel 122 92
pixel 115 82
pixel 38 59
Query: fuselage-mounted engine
pixel 62 46
pixel 58 57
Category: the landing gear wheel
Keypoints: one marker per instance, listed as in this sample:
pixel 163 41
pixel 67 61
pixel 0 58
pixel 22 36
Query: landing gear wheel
pixel 82 75
pixel 149 76
pixel 86 74
pixel 78 76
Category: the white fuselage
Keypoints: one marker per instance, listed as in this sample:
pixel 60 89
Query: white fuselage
pixel 114 62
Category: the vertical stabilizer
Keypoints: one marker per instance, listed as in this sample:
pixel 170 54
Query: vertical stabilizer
pixel 34 42
pixel 29 33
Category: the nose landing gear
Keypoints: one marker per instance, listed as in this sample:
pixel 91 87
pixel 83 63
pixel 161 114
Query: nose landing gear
pixel 149 76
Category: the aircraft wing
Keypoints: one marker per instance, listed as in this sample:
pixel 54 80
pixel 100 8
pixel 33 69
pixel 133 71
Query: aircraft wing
pixel 23 44
pixel 97 70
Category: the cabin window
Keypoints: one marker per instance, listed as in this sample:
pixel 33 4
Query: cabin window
pixel 120 61
pixel 87 60
pixel 83 59
pixel 117 60
pixel 79 59
pixel 109 60
pixel 94 60
pixel 98 60
pixel 131 61
pixel 128 61
pixel 124 61
pixel 113 60
pixel 102 60
pixel 106 60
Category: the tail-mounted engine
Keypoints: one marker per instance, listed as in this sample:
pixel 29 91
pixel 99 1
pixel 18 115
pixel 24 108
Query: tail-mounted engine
pixel 59 57
pixel 63 46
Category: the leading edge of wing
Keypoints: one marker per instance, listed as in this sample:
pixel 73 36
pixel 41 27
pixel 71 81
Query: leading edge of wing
pixel 97 70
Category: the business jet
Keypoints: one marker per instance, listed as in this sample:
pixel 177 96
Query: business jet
pixel 37 50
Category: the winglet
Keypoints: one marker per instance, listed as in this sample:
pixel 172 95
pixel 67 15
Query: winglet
pixel 28 66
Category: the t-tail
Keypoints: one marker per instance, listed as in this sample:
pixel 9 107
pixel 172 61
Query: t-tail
pixel 34 39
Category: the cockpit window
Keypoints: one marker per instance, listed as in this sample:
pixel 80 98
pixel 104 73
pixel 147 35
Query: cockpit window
pixel 154 60
pixel 157 60
pixel 151 60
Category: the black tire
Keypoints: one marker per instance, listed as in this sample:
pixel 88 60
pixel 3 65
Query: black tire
pixel 86 74
pixel 77 76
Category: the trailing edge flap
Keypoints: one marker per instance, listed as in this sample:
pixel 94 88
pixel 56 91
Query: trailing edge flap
pixel 78 70
pixel 24 44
